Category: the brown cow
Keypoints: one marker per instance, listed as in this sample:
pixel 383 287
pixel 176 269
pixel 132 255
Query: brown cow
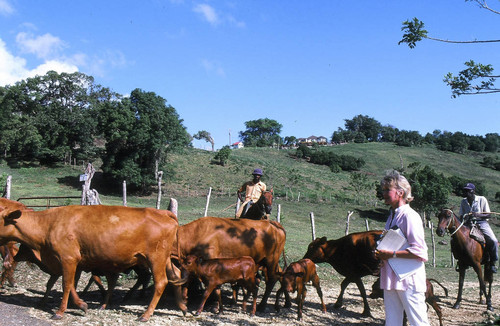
pixel 351 256
pixel 294 278
pixel 215 272
pixel 108 238
pixel 430 298
pixel 9 250
pixel 218 237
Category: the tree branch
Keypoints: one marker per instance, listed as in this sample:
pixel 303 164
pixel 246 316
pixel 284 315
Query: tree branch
pixel 482 4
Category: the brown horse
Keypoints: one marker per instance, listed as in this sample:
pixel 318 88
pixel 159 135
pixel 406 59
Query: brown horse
pixel 467 252
pixel 261 209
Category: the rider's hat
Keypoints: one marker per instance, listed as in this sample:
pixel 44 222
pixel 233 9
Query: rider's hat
pixel 257 172
pixel 470 186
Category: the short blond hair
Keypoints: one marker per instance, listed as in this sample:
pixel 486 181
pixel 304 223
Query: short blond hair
pixel 396 180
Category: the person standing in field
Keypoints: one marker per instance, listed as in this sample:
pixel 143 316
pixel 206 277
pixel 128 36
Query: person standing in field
pixel 253 189
pixel 408 294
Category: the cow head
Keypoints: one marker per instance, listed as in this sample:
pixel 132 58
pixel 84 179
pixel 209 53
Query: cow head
pixel 191 263
pixel 290 278
pixel 315 250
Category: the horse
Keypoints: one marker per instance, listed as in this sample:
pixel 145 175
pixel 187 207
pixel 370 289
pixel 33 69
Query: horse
pixel 467 252
pixel 261 208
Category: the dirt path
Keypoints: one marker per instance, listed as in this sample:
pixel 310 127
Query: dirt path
pixel 18 306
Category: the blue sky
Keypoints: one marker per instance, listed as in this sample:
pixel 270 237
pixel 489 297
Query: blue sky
pixel 307 64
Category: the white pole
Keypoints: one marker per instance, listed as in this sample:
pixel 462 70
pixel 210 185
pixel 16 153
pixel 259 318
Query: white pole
pixel 313 227
pixel 208 201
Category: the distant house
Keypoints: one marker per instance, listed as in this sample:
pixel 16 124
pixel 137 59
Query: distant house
pixel 237 145
pixel 313 140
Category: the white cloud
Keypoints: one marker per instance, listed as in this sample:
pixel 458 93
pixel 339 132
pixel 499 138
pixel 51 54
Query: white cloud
pixel 5 8
pixel 213 67
pixel 43 46
pixel 208 13
pixel 13 68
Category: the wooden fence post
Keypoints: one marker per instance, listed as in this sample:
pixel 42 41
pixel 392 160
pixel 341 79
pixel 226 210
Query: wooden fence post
pixel 313 227
pixel 349 213
pixel 278 217
pixel 208 201
pixel 238 203
pixel 367 225
pixel 158 199
pixel 8 186
pixel 173 206
pixel 124 191
pixel 433 245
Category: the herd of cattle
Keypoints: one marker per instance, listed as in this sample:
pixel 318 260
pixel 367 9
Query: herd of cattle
pixel 109 240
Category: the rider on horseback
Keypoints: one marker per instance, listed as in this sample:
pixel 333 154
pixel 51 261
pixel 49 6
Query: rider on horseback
pixel 252 189
pixel 478 207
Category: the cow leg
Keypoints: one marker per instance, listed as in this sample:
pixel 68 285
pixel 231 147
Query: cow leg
pixel 143 278
pixel 301 295
pixel 278 296
pixel 461 277
pixel 254 289
pixel 219 300
pixel 315 282
pixel 366 308
pixel 160 282
pixel 206 294
pixel 97 280
pixel 50 284
pixel 180 292
pixel 433 302
pixel 69 271
pixel 112 279
pixel 343 286
pixel 270 282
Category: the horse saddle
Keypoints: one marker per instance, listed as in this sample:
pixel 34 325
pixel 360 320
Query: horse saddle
pixel 476 234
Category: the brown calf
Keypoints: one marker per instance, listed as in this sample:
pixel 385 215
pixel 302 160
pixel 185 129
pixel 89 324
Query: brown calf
pixel 430 298
pixel 294 278
pixel 215 272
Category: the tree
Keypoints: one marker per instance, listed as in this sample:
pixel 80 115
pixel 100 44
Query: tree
pixel 57 113
pixel 261 133
pixel 139 133
pixel 205 135
pixel 365 125
pixel 476 78
pixel 430 189
pixel 223 155
pixel 289 140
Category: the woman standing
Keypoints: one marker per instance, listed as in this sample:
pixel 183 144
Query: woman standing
pixel 406 295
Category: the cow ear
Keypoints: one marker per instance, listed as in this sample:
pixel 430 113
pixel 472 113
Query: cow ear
pixel 323 240
pixel 12 216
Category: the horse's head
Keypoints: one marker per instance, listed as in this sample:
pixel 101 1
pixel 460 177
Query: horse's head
pixel 267 201
pixel 445 219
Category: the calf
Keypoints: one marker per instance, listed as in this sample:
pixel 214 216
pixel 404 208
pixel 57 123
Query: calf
pixel 351 256
pixel 294 278
pixel 110 239
pixel 217 271
pixel 430 298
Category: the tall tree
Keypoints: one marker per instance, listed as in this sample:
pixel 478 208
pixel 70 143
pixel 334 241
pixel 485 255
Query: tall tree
pixel 141 130
pixel 205 135
pixel 365 125
pixel 261 133
pixel 477 78
pixel 57 113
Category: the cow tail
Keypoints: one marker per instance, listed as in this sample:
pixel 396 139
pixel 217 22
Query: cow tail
pixel 181 280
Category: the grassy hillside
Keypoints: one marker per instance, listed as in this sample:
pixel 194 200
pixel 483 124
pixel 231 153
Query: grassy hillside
pixel 323 193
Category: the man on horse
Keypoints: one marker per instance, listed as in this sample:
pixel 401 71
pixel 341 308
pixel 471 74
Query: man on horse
pixel 252 189
pixel 478 207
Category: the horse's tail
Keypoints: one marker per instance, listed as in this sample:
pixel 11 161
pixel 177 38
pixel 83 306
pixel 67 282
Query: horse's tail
pixel 441 285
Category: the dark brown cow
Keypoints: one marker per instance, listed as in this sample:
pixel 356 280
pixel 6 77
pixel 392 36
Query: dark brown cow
pixel 351 256
pixel 106 238
pixel 294 278
pixel 9 250
pixel 215 272
pixel 430 298
pixel 217 237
